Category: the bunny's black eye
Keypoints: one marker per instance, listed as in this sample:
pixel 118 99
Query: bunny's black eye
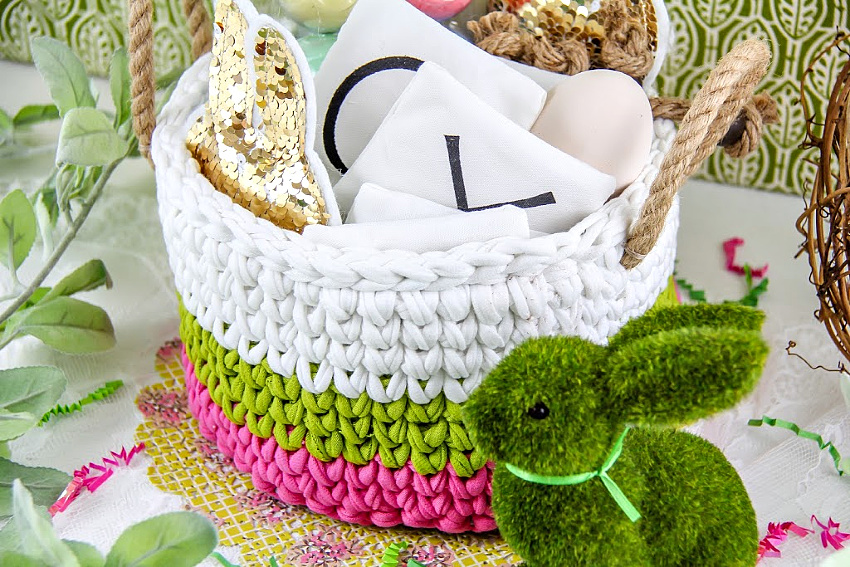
pixel 538 411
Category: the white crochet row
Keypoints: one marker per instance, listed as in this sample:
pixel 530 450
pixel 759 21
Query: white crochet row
pixel 433 322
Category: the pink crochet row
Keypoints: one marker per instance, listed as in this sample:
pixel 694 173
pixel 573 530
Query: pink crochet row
pixel 363 494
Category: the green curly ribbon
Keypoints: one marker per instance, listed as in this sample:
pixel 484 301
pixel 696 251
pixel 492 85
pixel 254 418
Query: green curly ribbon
pixel 794 428
pixel 570 480
pixel 330 424
pixel 103 392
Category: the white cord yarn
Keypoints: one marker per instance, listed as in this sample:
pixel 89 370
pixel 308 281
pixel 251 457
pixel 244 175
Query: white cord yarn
pixel 433 322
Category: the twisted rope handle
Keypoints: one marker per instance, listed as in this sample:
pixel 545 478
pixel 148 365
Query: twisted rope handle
pixel 727 89
pixel 143 85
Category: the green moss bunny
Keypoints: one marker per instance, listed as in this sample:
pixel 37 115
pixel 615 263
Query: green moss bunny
pixel 590 468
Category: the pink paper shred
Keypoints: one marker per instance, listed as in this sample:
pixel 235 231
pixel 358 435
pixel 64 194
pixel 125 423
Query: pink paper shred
pixel 776 534
pixel 729 248
pixel 830 535
pixel 92 476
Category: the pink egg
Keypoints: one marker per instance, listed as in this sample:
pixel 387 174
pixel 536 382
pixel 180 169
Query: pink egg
pixel 441 9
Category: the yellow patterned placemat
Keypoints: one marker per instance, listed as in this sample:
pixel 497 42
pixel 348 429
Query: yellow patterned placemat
pixel 188 465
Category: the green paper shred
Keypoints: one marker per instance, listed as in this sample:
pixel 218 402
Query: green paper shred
pixel 751 299
pixel 221 559
pixel 693 294
pixel 836 457
pixel 390 558
pixel 103 392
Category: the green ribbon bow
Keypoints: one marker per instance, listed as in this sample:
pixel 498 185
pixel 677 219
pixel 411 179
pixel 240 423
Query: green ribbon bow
pixel 573 479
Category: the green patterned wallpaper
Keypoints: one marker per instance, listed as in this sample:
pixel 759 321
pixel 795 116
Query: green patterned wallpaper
pixel 94 28
pixel 797 30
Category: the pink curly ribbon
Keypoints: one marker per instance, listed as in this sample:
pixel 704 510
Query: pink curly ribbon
pixel 830 535
pixel 369 494
pixel 92 476
pixel 729 248
pixel 776 534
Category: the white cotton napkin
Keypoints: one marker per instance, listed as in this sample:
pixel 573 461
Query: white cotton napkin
pixel 392 30
pixel 442 143
pixel 376 204
pixel 424 234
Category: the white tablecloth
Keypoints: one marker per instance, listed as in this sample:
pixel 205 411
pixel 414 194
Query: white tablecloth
pixel 788 478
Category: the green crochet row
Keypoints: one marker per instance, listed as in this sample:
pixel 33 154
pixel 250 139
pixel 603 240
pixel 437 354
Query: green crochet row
pixel 329 424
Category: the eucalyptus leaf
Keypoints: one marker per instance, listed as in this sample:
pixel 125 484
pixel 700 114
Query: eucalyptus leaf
pixel 26 394
pixel 86 554
pixel 17 229
pixel 64 74
pixel 14 424
pixel 9 538
pixel 35 113
pixel 66 181
pixel 45 485
pixel 90 275
pixel 119 84
pixel 66 324
pixel 33 389
pixel 86 179
pixel 37 537
pixel 178 539
pixel 13 559
pixel 36 296
pixel 6 127
pixel 87 138
pixel 46 224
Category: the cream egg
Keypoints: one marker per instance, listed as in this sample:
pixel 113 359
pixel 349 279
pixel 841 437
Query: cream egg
pixel 602 118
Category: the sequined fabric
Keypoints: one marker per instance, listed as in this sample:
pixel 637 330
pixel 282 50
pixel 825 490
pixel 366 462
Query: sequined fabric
pixel 250 141
pixel 559 20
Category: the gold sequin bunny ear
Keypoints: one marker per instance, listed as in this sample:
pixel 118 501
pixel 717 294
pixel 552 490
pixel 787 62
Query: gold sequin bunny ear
pixel 254 140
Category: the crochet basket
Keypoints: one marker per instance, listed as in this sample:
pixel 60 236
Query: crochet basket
pixel 336 377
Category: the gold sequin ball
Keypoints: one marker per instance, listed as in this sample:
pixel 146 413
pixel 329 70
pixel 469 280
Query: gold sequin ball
pixel 559 20
pixel 250 141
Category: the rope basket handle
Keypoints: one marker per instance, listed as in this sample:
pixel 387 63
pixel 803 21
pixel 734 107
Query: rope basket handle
pixel 140 46
pixel 714 109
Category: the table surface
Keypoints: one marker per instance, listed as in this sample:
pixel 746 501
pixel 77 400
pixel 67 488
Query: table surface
pixel 789 479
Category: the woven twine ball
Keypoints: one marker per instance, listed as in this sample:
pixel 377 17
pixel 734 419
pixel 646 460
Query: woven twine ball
pixel 824 223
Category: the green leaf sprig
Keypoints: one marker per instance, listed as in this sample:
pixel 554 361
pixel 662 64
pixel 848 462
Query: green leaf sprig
pixel 91 146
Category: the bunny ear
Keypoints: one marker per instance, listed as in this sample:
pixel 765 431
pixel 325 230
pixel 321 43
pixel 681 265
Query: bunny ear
pixel 675 377
pixel 660 319
pixel 254 141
